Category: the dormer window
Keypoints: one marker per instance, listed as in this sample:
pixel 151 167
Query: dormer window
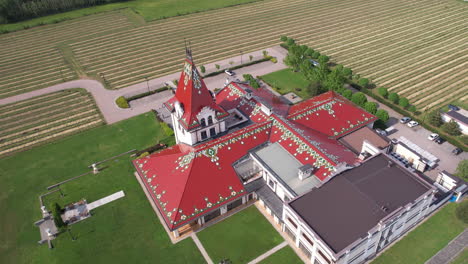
pixel 203 122
pixel 210 120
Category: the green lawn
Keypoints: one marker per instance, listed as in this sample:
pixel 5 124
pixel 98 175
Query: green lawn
pixel 426 240
pixel 462 258
pixel 124 231
pixel 148 9
pixel 285 81
pixel 240 238
pixel 284 255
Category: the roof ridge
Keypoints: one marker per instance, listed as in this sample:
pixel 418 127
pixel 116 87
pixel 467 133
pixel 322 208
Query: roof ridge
pixel 185 188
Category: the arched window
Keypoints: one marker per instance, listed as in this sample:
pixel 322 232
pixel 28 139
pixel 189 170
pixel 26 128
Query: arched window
pixel 203 122
pixel 210 120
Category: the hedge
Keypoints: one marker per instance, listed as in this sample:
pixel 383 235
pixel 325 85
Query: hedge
pixel 122 102
pixel 167 130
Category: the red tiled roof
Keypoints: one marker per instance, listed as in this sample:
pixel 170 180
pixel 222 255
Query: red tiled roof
pixel 330 114
pixel 193 95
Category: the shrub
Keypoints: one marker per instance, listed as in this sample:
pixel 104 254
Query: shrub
pixel 56 213
pixel 250 57
pixel 315 55
pixel 462 212
pixel 265 53
pixel 176 82
pixel 290 42
pixel 462 170
pixel 144 154
pixel 202 69
pixel 359 98
pixel 370 107
pixel 122 102
pixel 347 72
pixel 284 38
pixel 403 102
pixel 434 118
pixel 347 94
pixel 383 92
pixel 382 115
pixel 217 66
pixel 323 59
pixel 393 97
pixel 167 130
pixel 451 128
pixel 274 59
pixel 363 82
pixel 464 139
pixel 412 109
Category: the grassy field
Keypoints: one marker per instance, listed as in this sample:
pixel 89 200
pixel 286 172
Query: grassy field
pixel 462 258
pixel 41 119
pixel 124 231
pixel 414 47
pixel 426 240
pixel 240 238
pixel 286 81
pixel 284 255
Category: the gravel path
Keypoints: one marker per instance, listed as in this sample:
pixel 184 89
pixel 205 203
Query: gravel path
pixel 451 251
pixel 105 99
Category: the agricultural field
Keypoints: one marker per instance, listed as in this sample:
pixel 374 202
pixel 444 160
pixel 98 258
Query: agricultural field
pixel 41 119
pixel 414 47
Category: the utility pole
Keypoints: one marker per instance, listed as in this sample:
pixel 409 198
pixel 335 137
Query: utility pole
pixel 241 56
pixel 147 83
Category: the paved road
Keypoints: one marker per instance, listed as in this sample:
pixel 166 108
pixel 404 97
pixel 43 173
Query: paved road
pixel 451 251
pixel 105 99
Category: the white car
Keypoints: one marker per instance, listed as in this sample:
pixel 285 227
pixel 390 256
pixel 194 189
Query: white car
pixel 229 72
pixel 412 123
pixel 433 136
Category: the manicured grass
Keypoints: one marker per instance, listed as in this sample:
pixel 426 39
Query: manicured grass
pixel 284 255
pixel 286 81
pixel 148 9
pixel 240 238
pixel 462 258
pixel 426 240
pixel 124 231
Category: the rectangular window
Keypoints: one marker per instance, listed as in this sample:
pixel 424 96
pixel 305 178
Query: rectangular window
pixel 271 183
pixel 324 257
pixel 357 256
pixel 292 222
pixel 203 135
pixel 305 250
pixel 307 239
pixel 234 204
pixel 212 132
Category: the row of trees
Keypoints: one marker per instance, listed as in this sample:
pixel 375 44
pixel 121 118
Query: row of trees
pixel 18 10
pixel 323 78
pixel 396 99
pixel 452 128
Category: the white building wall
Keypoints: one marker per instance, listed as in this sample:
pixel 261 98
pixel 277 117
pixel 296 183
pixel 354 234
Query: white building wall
pixel 463 127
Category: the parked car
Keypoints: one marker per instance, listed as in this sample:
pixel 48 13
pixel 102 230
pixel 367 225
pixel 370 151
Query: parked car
pixel 381 132
pixel 412 123
pixel 457 151
pixel 433 136
pixel 314 63
pixel 229 72
pixel 439 140
pixel 405 120
pixel 453 107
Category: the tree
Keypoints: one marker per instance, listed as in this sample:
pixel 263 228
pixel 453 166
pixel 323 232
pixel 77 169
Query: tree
pixel 462 212
pixel 56 213
pixel 265 53
pixel 323 59
pixel 347 94
pixel 382 115
pixel 314 88
pixel 393 97
pixel 434 118
pixel 359 98
pixel 363 82
pixel 290 42
pixel 451 128
pixel 202 69
pixel 283 38
pixel 217 66
pixel 315 55
pixel 412 109
pixel 383 92
pixel 403 102
pixel 462 170
pixel 309 52
pixel 250 57
pixel 370 107
pixel 347 72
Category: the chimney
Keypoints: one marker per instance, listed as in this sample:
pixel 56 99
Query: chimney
pixel 248 94
pixel 305 171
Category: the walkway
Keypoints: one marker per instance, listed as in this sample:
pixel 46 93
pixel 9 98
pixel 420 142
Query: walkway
pixel 269 253
pixel 105 200
pixel 451 251
pixel 201 248
pixel 105 99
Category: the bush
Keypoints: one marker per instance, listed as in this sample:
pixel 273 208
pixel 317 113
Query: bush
pixel 412 109
pixel 434 118
pixel 176 82
pixel 347 72
pixel 370 107
pixel 347 94
pixel 359 98
pixel 167 130
pixel 451 128
pixel 464 140
pixel 252 81
pixel 144 154
pixel 122 102
pixel 290 42
pixel 323 59
pixel 462 212
pixel 363 82
pixel 274 59
pixel 382 115
pixel 393 97
pixel 284 38
pixel 403 102
pixel 250 57
pixel 383 92
pixel 315 55
pixel 202 69
pixel 56 213
pixel 217 66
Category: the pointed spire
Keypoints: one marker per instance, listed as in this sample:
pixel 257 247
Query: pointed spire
pixel 188 50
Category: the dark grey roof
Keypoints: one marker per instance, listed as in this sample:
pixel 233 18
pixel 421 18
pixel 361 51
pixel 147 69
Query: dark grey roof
pixel 456 115
pixel 271 199
pixel 353 202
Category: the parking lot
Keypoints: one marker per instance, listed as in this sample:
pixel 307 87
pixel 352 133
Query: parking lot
pixel 419 136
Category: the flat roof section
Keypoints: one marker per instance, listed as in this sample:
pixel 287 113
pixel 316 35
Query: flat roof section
pixel 349 205
pixel 355 140
pixel 286 167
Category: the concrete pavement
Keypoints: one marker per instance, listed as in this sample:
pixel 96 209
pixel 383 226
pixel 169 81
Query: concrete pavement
pixel 268 253
pixel 451 251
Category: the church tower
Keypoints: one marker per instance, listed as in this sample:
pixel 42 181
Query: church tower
pixel 195 115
